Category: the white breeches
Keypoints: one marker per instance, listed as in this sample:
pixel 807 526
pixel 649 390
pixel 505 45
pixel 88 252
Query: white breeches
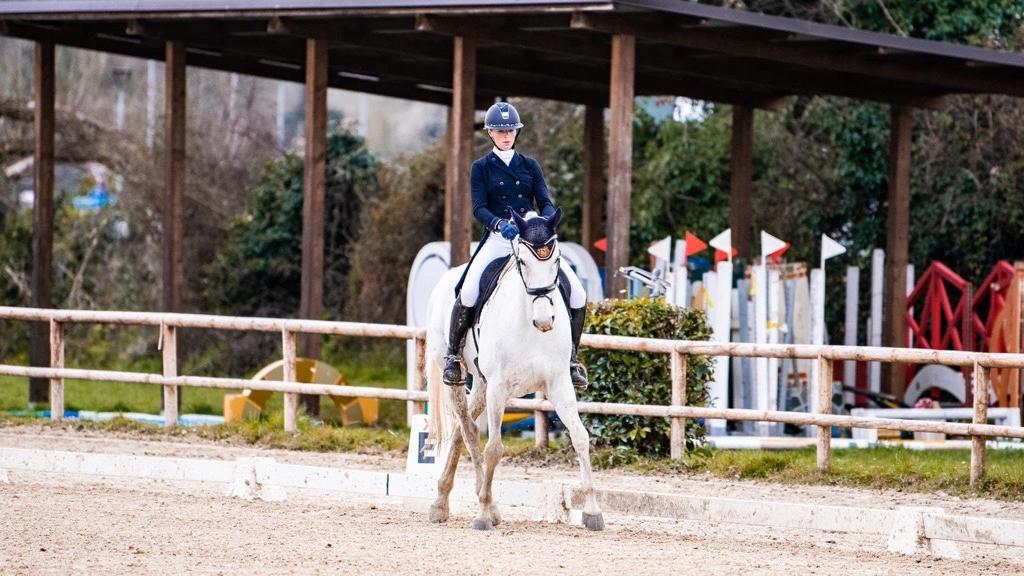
pixel 497 247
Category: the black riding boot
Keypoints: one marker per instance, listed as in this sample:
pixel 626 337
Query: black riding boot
pixel 577 316
pixel 462 317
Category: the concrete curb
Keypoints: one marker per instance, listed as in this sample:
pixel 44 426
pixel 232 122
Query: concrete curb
pixel 909 530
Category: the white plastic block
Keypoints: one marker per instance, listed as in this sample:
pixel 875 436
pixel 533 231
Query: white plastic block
pixel 249 480
pixel 908 536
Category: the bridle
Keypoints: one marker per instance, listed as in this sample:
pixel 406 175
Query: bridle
pixel 542 253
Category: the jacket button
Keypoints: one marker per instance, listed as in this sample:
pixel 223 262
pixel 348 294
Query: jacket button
pixel 501 183
pixel 522 209
pixel 517 182
pixel 520 195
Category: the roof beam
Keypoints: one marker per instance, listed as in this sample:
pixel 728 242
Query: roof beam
pixel 716 40
pixel 79 37
pixel 438 72
pixel 772 78
pixel 546 42
pixel 601 51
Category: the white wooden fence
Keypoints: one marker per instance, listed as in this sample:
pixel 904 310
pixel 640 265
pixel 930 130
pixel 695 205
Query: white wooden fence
pixel 678 411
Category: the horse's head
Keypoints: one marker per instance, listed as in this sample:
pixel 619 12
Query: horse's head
pixel 537 259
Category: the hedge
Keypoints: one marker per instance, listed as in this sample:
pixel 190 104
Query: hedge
pixel 643 378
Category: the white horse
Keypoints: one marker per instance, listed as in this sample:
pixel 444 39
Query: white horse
pixel 521 345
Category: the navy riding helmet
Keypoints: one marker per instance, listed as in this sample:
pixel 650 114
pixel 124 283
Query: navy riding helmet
pixel 502 116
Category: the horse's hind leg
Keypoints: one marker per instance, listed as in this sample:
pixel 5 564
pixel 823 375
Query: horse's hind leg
pixel 439 509
pixel 489 516
pixel 467 424
pixel 562 396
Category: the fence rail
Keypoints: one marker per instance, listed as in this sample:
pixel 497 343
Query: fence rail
pixel 678 350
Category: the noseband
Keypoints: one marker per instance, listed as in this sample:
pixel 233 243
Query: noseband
pixel 544 252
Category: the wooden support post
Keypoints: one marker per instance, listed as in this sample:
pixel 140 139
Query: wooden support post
pixel 418 381
pixel 592 193
pixel 540 424
pixel 169 341
pixel 42 216
pixel 824 368
pixel 449 186
pixel 981 386
pixel 677 441
pixel 56 361
pixel 291 399
pixel 174 188
pixel 897 241
pixel 741 181
pixel 460 158
pixel 313 200
pixel 174 177
pixel 620 159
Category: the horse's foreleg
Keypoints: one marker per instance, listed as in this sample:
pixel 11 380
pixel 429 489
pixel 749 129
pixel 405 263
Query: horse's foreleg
pixel 489 515
pixel 439 509
pixel 564 399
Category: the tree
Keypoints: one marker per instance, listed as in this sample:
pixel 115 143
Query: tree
pixel 258 269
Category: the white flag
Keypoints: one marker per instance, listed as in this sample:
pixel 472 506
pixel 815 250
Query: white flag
pixel 770 244
pixel 723 242
pixel 660 249
pixel 830 248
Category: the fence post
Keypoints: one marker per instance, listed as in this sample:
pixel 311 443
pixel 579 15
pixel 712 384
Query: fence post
pixel 677 446
pixel 540 424
pixel 417 384
pixel 169 338
pixel 981 375
pixel 56 361
pixel 291 399
pixel 823 366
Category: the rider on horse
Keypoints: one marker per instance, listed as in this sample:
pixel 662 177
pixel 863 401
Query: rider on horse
pixel 504 182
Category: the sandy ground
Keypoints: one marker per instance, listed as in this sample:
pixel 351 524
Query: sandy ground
pixel 59 524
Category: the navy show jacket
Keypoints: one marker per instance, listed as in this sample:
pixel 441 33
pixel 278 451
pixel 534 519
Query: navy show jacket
pixel 497 187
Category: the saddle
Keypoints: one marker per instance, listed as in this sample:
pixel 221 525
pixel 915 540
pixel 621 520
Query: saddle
pixel 489 282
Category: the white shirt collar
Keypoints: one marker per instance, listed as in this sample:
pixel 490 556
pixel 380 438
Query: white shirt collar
pixel 505 155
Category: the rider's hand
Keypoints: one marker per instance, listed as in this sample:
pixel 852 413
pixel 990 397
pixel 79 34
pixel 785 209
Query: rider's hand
pixel 508 230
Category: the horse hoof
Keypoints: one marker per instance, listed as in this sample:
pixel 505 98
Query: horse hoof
pixel 495 517
pixel 482 524
pixel 438 514
pixel 593 521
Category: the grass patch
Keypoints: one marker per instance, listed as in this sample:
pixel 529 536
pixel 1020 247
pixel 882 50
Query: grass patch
pixel 378 366
pixel 266 432
pixel 269 431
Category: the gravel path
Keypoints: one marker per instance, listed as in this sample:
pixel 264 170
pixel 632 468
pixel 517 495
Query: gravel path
pixel 59 524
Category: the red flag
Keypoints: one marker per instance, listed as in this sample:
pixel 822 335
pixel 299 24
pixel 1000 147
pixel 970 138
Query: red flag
pixel 720 255
pixel 694 244
pixel 602 244
pixel 775 256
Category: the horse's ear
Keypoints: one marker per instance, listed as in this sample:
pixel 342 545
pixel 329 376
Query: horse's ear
pixel 519 222
pixel 555 218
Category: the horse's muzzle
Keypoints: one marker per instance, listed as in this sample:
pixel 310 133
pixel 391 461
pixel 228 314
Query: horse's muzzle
pixel 544 325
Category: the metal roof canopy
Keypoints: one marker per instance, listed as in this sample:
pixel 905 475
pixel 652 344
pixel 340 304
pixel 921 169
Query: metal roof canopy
pixel 555 49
